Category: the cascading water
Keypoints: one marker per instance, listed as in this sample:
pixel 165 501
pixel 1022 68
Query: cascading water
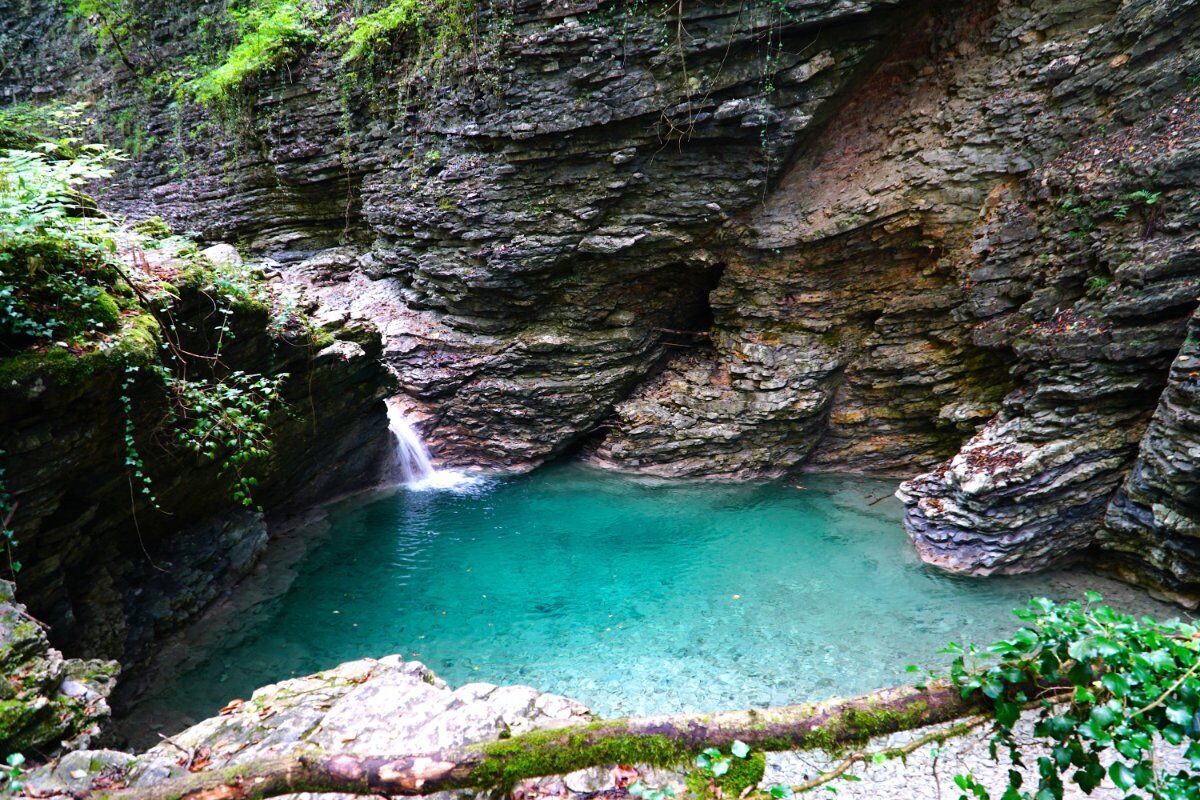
pixel 411 464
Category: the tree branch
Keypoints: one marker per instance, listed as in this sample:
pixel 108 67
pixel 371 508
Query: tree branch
pixel 662 741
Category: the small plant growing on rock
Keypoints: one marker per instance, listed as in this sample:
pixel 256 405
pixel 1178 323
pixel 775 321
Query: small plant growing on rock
pixel 12 775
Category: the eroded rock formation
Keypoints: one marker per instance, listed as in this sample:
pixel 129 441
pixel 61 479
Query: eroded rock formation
pixel 743 240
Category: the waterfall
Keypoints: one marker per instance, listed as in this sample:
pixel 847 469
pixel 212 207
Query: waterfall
pixel 411 464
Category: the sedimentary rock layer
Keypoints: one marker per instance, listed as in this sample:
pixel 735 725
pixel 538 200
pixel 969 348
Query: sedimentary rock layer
pixel 739 239
pixel 1090 272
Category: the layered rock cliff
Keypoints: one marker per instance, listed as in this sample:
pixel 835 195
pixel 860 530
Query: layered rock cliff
pixel 718 239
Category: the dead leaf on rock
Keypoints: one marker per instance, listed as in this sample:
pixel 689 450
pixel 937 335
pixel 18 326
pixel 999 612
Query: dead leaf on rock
pixel 231 707
pixel 201 760
pixel 623 774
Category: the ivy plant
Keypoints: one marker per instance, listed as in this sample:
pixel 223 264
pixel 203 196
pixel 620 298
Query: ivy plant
pixel 12 781
pixel 1105 687
pixel 226 421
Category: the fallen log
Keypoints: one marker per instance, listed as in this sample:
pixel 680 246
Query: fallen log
pixel 661 741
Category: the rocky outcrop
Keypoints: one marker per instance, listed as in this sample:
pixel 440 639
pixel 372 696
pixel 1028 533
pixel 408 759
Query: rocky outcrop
pixel 47 702
pixel 845 333
pixel 1152 526
pixel 385 706
pixel 112 572
pixel 1091 274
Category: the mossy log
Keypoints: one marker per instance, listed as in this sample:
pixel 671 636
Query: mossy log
pixel 660 741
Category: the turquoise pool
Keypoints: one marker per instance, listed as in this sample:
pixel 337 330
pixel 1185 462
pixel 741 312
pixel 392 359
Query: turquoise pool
pixel 633 596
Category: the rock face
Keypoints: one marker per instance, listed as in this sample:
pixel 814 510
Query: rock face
pixel 545 220
pixel 111 573
pixel 47 702
pixel 749 240
pixel 1152 525
pixel 1089 270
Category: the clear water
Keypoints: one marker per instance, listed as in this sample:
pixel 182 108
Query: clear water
pixel 631 596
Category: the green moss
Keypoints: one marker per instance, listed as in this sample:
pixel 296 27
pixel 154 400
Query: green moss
pixel 155 227
pixel 238 287
pixel 560 752
pixel 136 343
pixel 743 772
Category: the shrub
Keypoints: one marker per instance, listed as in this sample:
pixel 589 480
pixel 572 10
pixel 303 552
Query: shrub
pixel 56 252
pixel 438 24
pixel 270 34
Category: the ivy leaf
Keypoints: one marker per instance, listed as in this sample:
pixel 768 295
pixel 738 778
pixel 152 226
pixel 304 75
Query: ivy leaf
pixel 1193 755
pixel 1122 776
pixel 993 689
pixel 1160 660
pixel 740 749
pixel 1007 713
pixel 1089 777
pixel 1179 714
pixel 1116 684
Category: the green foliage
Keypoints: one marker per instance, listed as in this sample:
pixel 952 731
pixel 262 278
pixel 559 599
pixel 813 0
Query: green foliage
pixel 269 34
pixel 716 774
pixel 398 18
pixel 29 126
pixel 120 30
pixel 438 28
pixel 652 793
pixel 63 281
pixel 226 420
pixel 1145 197
pixel 56 252
pixel 1127 683
pixel 134 465
pixel 11 776
pixel 1097 284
